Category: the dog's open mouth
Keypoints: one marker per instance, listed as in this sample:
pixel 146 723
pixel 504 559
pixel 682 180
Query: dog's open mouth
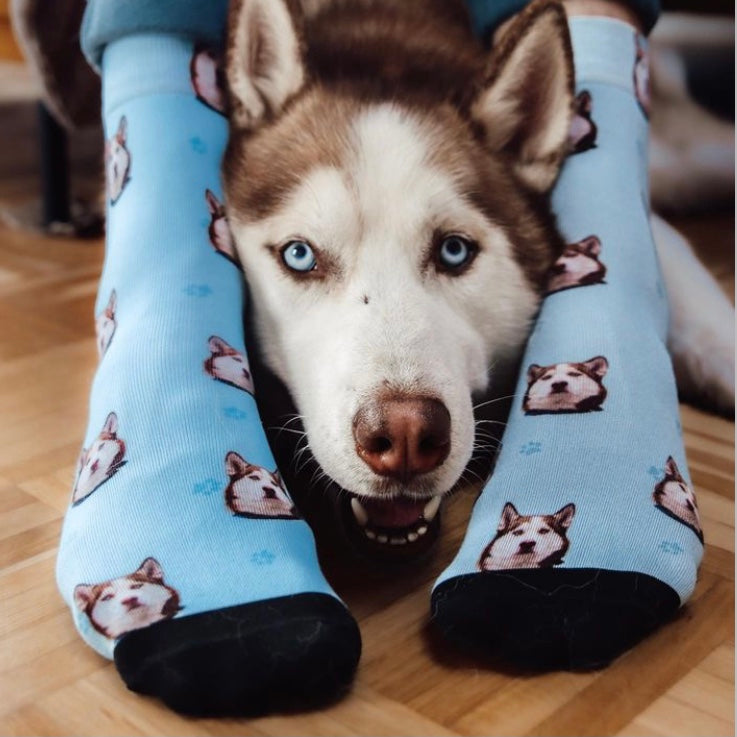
pixel 393 524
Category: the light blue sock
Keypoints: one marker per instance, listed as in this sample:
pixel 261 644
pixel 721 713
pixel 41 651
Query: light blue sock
pixel 587 536
pixel 182 555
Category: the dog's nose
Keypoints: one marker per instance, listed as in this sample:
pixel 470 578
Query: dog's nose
pixel 403 436
pixel 559 386
pixel 527 546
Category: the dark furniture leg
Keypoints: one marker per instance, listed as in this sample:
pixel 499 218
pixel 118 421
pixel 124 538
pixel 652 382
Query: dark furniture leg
pixel 54 169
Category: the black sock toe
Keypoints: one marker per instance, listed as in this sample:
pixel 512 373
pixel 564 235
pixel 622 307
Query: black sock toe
pixel 292 652
pixel 551 618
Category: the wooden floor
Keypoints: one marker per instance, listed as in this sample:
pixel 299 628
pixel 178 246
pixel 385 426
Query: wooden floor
pixel 679 682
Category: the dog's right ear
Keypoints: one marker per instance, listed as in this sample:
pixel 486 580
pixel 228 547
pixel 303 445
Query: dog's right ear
pixel 534 372
pixel 525 103
pixel 263 62
pixel 213 204
pixel 236 466
pixel 592 245
pixel 111 424
pixel 217 345
pixel 84 595
pixel 509 515
pixel 671 469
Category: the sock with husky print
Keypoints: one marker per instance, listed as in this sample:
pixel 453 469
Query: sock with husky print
pixel 182 556
pixel 587 536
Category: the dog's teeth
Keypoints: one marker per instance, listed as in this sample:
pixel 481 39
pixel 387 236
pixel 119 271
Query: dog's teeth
pixel 412 536
pixel 421 530
pixel 382 538
pixel 431 509
pixel 398 541
pixel 359 512
pixel 370 534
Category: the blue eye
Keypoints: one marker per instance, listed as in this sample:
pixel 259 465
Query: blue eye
pixel 455 252
pixel 299 256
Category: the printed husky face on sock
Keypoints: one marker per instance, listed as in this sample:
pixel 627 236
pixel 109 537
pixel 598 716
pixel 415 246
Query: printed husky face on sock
pixel 577 266
pixel 100 462
pixel 105 325
pixel 676 498
pixel 219 230
pixel 228 365
pixel 117 162
pixel 128 603
pixel 206 73
pixel 582 135
pixel 528 541
pixel 372 204
pixel 565 387
pixel 255 492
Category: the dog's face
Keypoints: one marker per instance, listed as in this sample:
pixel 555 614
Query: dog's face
pixel 117 161
pixel 528 541
pixel 577 266
pixel 128 603
pixel 219 230
pixel 255 492
pixel 566 387
pixel 100 461
pixel 395 248
pixel 228 365
pixel 105 325
pixel 205 71
pixel 641 75
pixel 673 495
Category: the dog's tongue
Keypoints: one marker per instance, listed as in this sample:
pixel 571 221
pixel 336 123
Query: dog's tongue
pixel 399 512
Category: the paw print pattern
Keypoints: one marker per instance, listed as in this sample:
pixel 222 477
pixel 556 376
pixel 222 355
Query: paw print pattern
pixel 670 548
pixel 528 449
pixel 263 558
pixel 198 290
pixel 207 487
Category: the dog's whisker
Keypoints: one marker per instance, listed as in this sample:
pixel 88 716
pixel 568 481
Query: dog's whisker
pixel 493 401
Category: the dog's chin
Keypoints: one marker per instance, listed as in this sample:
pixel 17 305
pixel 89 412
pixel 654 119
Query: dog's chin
pixel 388 530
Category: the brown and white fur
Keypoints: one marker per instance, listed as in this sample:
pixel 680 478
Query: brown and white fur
pixel 105 324
pixel 371 130
pixel 117 161
pixel 101 461
pixel 219 230
pixel 565 387
pixel 253 491
pixel 677 499
pixel 528 541
pixel 577 266
pixel 129 602
pixel 228 365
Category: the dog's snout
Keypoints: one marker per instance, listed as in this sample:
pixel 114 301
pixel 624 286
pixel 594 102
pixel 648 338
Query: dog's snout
pixel 403 436
pixel 559 386
pixel 527 546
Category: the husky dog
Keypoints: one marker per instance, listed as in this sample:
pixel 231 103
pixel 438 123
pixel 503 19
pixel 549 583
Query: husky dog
pixel 387 185
pixel 565 387
pixel 528 541
pixel 105 324
pixel 255 492
pixel 228 365
pixel 100 462
pixel 582 135
pixel 219 232
pixel 128 603
pixel 206 74
pixel 117 161
pixel 577 266
pixel 676 498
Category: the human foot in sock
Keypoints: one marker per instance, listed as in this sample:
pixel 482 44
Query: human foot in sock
pixel 182 556
pixel 587 536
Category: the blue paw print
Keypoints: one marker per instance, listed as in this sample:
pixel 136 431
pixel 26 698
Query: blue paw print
pixel 233 413
pixel 670 548
pixel 197 290
pixel 263 558
pixel 198 145
pixel 534 446
pixel 656 473
pixel 206 487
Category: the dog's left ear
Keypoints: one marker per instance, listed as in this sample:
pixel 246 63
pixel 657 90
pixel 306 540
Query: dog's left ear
pixel 263 60
pixel 564 516
pixel 526 101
